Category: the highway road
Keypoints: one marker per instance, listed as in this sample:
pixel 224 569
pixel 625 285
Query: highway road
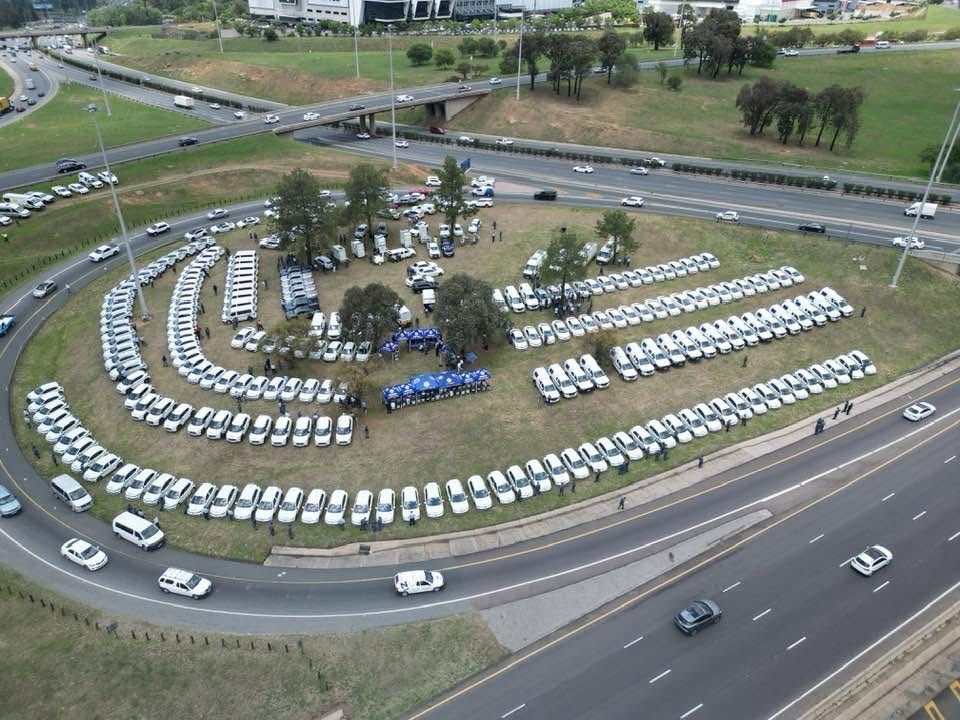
pixel 793 610
pixel 664 191
pixel 254 125
pixel 19 67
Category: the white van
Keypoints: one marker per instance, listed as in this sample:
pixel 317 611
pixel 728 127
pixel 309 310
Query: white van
pixel 605 255
pixel 499 300
pixel 69 491
pixel 139 531
pixel 532 269
pixel 429 297
pixel 87 179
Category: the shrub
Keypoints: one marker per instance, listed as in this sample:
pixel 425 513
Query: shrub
pixel 674 82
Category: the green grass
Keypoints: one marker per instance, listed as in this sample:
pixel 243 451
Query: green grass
pixel 361 672
pixel 460 437
pixel 6 84
pixel 702 118
pixel 162 187
pixel 933 19
pixel 63 128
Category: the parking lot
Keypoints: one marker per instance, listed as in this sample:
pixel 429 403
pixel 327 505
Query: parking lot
pixel 480 433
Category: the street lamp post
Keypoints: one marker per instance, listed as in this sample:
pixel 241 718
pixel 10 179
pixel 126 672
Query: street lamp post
pixel 216 19
pixel 96 61
pixel 393 97
pixel 144 312
pixel 520 55
pixel 934 173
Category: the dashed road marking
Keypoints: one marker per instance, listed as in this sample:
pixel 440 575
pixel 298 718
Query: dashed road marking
pixel 791 647
pixel 662 675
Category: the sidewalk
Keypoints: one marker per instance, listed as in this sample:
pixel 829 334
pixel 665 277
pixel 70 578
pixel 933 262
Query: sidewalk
pixel 415 550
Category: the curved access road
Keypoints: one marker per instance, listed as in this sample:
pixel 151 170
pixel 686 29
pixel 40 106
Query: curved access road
pixel 18 68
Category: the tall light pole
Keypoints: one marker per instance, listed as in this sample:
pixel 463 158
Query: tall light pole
pixel 96 61
pixel 216 19
pixel 393 97
pixel 144 312
pixel 520 55
pixel 934 172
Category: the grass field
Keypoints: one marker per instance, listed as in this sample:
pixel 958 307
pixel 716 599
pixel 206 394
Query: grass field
pixel 62 127
pixel 460 437
pixel 933 19
pixel 166 186
pixel 6 83
pixel 703 119
pixel 375 674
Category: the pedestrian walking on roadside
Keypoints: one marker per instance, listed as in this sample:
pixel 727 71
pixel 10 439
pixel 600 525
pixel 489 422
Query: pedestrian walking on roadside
pixel 561 490
pixel 203 310
pixel 573 486
pixel 206 332
pixel 623 503
pixel 864 311
pixel 596 476
pixel 163 359
pixel 214 289
pixel 700 462
pixel 745 359
pixel 501 236
pixel 846 404
pixel 849 408
pixel 69 291
pixel 36 452
pixel 836 413
pixel 626 465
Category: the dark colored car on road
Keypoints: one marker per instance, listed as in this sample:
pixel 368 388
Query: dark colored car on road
pixel 66 165
pixel 813 227
pixel 698 615
pixel 183 142
pixel 545 195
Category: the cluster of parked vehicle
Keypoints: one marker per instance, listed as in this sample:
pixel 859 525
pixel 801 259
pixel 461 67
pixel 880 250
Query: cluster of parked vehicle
pixel 240 288
pixel 667 350
pixel 298 292
pixel 658 308
pixel 526 297
pixel 575 376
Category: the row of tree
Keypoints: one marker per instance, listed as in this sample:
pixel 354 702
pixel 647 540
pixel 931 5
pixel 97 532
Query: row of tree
pixel 797 111
pixel 715 43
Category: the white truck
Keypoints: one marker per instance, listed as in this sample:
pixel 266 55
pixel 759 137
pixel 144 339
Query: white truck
pixel 927 210
pixel 183 101
pixel 532 269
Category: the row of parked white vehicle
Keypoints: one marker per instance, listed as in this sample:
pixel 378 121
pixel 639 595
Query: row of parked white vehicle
pixel 119 341
pixel 791 317
pixel 240 288
pixel 568 380
pixel 21 205
pixel 658 308
pixel 524 297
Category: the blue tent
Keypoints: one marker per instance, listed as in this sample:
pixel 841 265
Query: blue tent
pixel 407 390
pixel 389 347
pixel 482 374
pixel 392 392
pixel 424 383
pixel 449 378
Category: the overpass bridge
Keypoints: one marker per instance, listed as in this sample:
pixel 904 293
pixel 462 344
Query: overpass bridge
pixel 34 34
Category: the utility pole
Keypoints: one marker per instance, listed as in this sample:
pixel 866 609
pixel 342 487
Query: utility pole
pixel 144 312
pixel 216 19
pixel 393 97
pixel 96 61
pixel 520 55
pixel 934 172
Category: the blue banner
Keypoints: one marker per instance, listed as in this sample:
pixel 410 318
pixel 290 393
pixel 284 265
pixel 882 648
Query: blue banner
pixel 465 164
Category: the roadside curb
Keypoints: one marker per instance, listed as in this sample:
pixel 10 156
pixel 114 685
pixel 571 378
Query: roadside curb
pixel 466 542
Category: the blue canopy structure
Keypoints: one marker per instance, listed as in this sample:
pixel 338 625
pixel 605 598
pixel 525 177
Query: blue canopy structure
pixel 389 347
pixel 428 387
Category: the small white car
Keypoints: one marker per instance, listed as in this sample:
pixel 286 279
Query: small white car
pixel 639 170
pixel 158 228
pixel 919 411
pixel 313 507
pixel 574 463
pixel 290 505
pixel 271 119
pixel 202 499
pixel 908 241
pixel 479 492
pixel 432 181
pixel 872 559
pixel 731 216
pixel 336 508
pixel 432 500
pixel 409 504
pixel 244 505
pixel 411 582
pixel 500 487
pixel 404 98
pixel 269 502
pixel 183 582
pixel 84 554
pixel 103 252
pixel 386 506
pixel 456 497
pixel 402 144
pixel 302 430
pixel 344 429
pixel 586 169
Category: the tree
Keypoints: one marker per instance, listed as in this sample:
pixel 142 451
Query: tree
pixel 583 52
pixel 616 225
pixel 610 46
pixel 270 35
pixel 719 50
pixel 825 102
pixel 487 48
pixel 628 71
pixel 419 53
pixel 468 46
pixel 444 58
pixel 534 45
pixel 563 262
pixel 295 335
pixel 951 167
pixel 508 64
pixel 757 103
pixel 303 219
pixel 466 314
pixel 662 71
pixel 674 82
pixel 846 116
pixel 790 106
pixel 369 313
pixel 449 195
pixel 365 190
pixel 465 69
pixel 761 53
pixel 657 28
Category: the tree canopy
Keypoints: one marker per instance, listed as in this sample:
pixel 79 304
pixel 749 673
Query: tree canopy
pixel 369 313
pixel 619 227
pixel 303 219
pixel 365 190
pixel 466 314
pixel 657 28
pixel 419 53
pixel 449 195
pixel 564 262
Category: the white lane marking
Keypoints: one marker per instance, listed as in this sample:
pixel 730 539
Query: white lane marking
pixel 953 537
pixel 919 515
pixel 847 561
pixel 791 647
pixel 691 711
pixel 467 598
pixel 888 497
pixel 870 648
pixel 731 587
pixel 633 642
pixel 950 459
pixel 881 586
pixel 511 712
pixel 818 537
pixel 666 672
pixel 757 617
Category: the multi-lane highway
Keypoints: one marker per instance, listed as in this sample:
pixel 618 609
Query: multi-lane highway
pixel 19 68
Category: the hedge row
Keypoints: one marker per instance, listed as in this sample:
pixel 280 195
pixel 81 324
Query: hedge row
pixel 893 193
pixel 800 181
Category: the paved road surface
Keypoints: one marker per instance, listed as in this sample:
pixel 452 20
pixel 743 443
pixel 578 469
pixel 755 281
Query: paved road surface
pixel 20 69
